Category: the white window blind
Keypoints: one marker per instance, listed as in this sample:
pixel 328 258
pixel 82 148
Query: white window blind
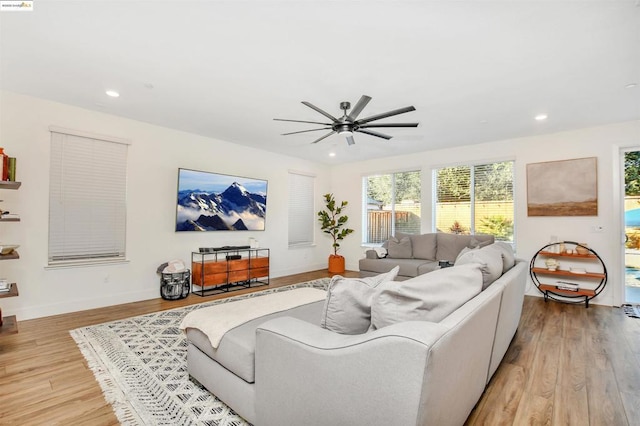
pixel 87 199
pixel 473 199
pixel 301 213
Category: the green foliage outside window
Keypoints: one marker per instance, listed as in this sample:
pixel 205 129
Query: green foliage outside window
pixel 498 226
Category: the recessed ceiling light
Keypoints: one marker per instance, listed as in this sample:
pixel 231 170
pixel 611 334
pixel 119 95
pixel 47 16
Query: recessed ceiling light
pixel 541 117
pixel 631 85
pixel 332 154
pixel 112 93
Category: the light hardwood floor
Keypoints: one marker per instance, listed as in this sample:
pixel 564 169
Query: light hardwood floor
pixel 567 365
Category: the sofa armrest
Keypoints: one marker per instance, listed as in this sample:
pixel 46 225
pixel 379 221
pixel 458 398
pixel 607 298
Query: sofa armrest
pixel 308 375
pixel 372 254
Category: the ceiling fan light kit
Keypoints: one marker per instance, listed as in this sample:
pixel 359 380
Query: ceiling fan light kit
pixel 349 124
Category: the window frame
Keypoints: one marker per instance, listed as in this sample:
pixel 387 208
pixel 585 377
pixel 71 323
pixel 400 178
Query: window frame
pixel 365 198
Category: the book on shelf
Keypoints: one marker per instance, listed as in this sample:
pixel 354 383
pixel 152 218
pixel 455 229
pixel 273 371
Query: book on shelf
pixel 565 285
pixel 11 172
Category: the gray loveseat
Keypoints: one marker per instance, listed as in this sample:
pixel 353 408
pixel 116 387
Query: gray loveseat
pixel 419 254
pixel 284 369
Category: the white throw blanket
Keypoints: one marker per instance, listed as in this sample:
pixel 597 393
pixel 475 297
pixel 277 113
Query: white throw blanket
pixel 215 321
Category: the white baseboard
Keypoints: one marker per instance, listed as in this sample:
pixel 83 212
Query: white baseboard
pixel 45 310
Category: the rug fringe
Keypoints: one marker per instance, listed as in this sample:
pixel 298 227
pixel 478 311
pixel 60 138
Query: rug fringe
pixel 112 393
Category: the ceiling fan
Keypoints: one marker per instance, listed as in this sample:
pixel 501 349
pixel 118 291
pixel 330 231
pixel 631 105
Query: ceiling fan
pixel 348 123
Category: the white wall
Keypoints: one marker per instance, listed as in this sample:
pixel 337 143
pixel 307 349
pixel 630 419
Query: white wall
pixel 155 155
pixel 531 232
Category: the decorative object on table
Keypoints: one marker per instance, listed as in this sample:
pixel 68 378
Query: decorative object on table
pixel 444 264
pixel 253 243
pixel 175 280
pixel 332 223
pixel 563 188
pixel 584 275
pixel 216 202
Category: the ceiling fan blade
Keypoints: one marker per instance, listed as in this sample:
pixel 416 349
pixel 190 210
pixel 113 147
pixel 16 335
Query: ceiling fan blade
pixel 372 133
pixel 386 114
pixel 305 131
pixel 301 121
pixel 325 136
pixel 350 140
pixel 355 112
pixel 365 126
pixel 315 108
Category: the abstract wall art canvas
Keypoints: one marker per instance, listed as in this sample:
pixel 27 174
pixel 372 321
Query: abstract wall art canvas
pixel 563 188
pixel 217 202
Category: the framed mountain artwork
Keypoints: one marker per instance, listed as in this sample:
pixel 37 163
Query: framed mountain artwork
pixel 563 188
pixel 217 202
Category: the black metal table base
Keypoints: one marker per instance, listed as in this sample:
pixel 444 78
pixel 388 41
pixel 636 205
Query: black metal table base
pixel 226 288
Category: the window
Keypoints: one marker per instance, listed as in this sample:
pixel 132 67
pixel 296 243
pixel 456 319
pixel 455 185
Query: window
pixel 475 199
pixel 87 198
pixel 391 203
pixel 301 213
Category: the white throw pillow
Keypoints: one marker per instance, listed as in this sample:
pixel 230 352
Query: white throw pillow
pixel 490 260
pixel 429 297
pixel 347 308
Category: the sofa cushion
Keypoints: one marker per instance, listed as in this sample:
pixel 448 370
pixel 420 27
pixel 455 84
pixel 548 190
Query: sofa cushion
pixel 236 351
pixel 399 248
pixel 489 259
pixel 427 267
pixel 424 246
pixel 429 297
pixel 450 245
pixel 408 267
pixel 347 308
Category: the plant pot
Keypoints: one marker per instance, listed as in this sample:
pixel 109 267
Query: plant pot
pixel 336 264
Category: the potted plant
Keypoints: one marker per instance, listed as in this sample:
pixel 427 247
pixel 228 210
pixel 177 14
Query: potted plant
pixel 332 223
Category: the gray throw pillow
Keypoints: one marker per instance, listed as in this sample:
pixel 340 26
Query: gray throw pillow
pixel 429 297
pixel 424 246
pixel 490 261
pixel 475 243
pixel 399 249
pixel 347 308
pixel 506 251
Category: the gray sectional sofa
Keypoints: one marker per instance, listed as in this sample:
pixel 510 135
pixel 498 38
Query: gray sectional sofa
pixel 286 369
pixel 419 254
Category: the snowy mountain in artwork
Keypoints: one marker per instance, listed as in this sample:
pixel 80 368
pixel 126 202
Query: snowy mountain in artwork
pixel 234 209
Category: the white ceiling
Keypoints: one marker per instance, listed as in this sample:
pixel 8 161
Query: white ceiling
pixel 475 71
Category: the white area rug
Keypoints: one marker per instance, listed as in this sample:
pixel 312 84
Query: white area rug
pixel 140 363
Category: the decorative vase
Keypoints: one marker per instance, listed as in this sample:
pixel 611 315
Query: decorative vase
pixel 336 264
pixel 582 249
